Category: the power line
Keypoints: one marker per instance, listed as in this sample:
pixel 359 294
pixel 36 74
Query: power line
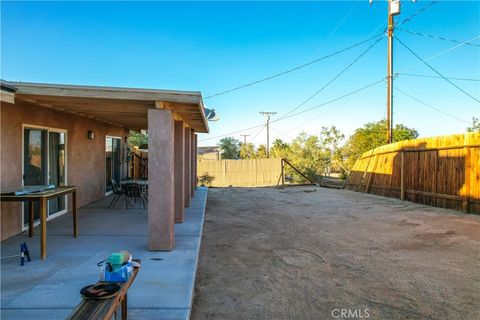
pixel 442 52
pixel 318 116
pixel 434 70
pixel 379 26
pixel 300 112
pixel 282 133
pixel 258 133
pixel 413 15
pixel 234 132
pixel 313 119
pixel 333 100
pixel 436 77
pixel 333 79
pixel 292 69
pixel 438 37
pixel 429 106
pixel 336 28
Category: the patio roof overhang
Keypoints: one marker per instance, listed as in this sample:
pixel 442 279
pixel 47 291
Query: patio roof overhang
pixel 126 107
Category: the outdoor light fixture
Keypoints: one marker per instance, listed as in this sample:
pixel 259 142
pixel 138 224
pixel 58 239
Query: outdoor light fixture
pixel 90 134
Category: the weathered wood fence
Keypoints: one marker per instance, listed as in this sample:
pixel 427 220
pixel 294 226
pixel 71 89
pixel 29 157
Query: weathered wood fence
pixel 241 173
pixel 138 166
pixel 440 171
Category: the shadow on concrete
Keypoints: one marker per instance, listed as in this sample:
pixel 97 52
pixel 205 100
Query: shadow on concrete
pixel 49 289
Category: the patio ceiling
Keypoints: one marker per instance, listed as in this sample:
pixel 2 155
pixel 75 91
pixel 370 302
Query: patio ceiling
pixel 126 107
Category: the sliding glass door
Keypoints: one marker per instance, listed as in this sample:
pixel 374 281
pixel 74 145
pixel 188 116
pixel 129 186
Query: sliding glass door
pixel 34 164
pixel 56 161
pixel 44 162
pixel 113 162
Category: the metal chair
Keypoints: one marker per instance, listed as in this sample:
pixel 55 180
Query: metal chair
pixel 117 191
pixel 132 193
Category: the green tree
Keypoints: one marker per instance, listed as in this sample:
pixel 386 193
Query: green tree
pixel 475 125
pixel 261 152
pixel 330 140
pixel 279 149
pixel 136 139
pixel 247 151
pixel 307 155
pixel 229 148
pixel 372 135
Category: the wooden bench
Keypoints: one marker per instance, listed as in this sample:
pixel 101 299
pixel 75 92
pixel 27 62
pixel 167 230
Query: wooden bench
pixel 105 309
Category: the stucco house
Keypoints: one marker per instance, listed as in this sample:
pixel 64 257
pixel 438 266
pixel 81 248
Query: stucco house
pixel 209 153
pixel 77 135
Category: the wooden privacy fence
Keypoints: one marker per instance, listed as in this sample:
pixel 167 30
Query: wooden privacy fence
pixel 138 165
pixel 241 173
pixel 439 171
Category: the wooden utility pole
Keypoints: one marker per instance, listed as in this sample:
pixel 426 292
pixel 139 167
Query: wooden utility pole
pixel 390 75
pixel 267 115
pixel 393 10
pixel 245 138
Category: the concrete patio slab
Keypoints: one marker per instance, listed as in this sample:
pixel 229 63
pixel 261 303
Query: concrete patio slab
pixel 49 289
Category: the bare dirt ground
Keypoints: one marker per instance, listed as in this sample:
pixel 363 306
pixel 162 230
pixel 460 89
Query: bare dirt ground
pixel 296 253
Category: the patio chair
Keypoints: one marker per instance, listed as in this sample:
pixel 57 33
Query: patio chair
pixel 133 192
pixel 117 191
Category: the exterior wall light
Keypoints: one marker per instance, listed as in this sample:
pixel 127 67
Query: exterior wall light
pixel 90 134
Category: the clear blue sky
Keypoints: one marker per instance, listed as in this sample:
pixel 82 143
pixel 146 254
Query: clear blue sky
pixel 214 46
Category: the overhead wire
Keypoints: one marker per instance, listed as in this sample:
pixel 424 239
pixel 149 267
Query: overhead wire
pixel 233 132
pixel 303 111
pixel 337 27
pixel 319 115
pixel 419 11
pixel 429 106
pixel 434 70
pixel 383 24
pixel 258 133
pixel 288 115
pixel 281 132
pixel 431 76
pixel 440 53
pixel 333 79
pixel 331 101
pixel 437 37
pixel 312 119
pixel 292 69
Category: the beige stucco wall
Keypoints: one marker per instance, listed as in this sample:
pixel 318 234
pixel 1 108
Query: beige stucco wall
pixel 209 156
pixel 85 158
pixel 241 173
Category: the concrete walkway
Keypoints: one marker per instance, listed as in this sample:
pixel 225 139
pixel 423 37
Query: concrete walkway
pixel 49 289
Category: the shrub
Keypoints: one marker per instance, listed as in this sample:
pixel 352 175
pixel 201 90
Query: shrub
pixel 206 179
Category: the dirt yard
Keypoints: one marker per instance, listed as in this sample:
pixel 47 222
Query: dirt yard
pixel 305 253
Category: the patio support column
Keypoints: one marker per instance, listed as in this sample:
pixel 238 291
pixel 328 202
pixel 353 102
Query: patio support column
pixel 196 162
pixel 179 166
pixel 161 213
pixel 193 175
pixel 187 168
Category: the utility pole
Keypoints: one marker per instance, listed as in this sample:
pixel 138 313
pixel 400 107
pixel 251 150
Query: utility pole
pixel 393 10
pixel 267 115
pixel 245 138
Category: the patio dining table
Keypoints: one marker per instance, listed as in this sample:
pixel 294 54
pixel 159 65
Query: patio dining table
pixel 135 181
pixel 42 196
pixel 142 195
